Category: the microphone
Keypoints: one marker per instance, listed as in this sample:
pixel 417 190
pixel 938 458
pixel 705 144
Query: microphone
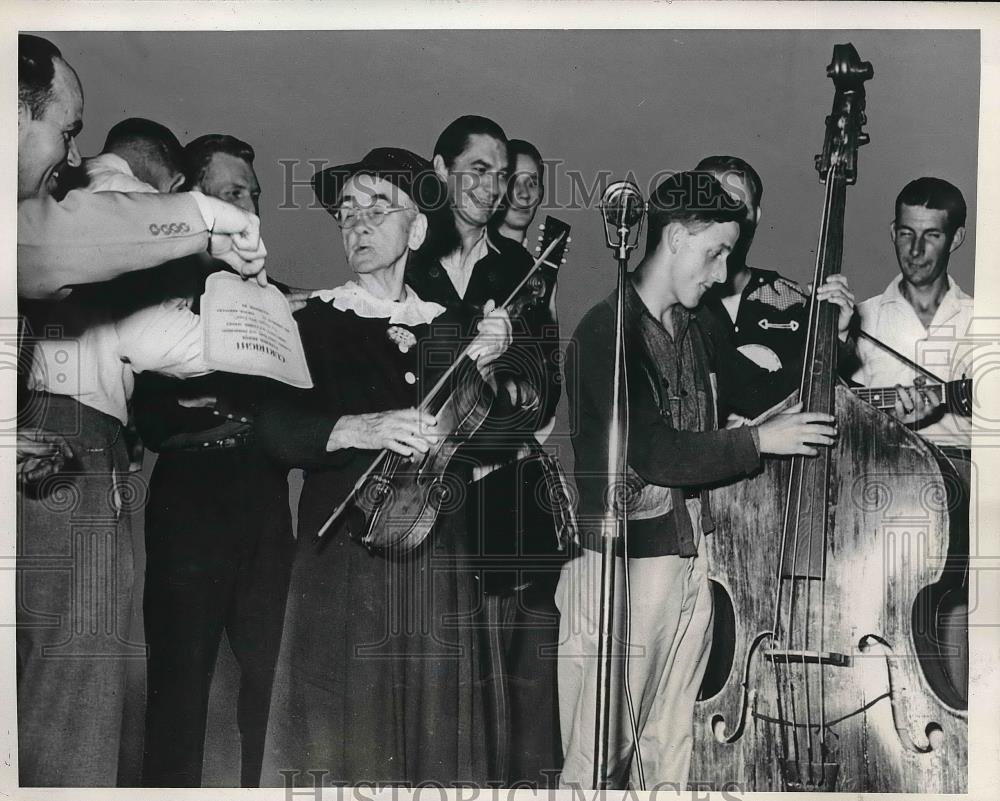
pixel 622 204
pixel 622 208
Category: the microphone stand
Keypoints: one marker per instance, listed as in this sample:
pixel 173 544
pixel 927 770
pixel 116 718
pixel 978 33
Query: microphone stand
pixel 613 523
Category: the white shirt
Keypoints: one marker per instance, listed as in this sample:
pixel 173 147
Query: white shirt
pixel 943 348
pixel 460 270
pixel 109 172
pixel 100 349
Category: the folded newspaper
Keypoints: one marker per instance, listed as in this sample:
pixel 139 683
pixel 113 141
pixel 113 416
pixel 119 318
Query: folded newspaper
pixel 249 329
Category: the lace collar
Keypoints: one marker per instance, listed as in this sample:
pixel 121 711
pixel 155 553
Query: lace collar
pixel 353 297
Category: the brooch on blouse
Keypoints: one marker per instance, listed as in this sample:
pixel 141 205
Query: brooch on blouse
pixel 404 339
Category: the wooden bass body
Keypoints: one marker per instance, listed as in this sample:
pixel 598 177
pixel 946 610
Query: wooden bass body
pixel 832 694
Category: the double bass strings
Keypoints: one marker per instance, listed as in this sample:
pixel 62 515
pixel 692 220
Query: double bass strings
pixel 839 199
pixel 785 625
pixel 823 254
pixel 822 324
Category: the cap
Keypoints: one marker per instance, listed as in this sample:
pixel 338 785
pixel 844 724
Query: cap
pixel 693 195
pixel 407 171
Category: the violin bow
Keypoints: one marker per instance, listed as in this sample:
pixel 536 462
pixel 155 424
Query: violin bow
pixel 862 334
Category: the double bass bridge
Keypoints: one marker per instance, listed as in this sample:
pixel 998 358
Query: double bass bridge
pixel 788 656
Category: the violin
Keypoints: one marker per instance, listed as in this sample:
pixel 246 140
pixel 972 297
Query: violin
pixel 395 503
pixel 817 681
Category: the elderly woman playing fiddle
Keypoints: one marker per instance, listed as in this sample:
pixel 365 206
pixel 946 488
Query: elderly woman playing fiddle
pixel 379 677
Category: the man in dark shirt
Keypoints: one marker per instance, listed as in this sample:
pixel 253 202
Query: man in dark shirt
pixel 465 262
pixel 765 313
pixel 676 357
pixel 218 528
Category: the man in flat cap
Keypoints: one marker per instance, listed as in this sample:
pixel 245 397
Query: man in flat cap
pixel 676 367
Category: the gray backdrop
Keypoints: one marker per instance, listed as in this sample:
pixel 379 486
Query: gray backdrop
pixel 611 101
pixel 600 104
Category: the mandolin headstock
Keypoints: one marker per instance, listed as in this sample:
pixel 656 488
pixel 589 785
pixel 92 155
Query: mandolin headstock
pixel 551 230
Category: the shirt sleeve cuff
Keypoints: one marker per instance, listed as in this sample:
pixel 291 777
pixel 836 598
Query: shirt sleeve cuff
pixel 205 207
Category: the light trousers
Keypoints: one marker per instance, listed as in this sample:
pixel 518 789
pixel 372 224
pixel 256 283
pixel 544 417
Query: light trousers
pixel 671 634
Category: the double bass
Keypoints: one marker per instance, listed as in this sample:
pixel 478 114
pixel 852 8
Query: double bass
pixel 819 566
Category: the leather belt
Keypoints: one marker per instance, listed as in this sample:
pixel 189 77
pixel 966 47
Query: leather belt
pixel 654 536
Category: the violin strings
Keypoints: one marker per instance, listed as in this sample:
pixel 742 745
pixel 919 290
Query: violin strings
pixel 431 398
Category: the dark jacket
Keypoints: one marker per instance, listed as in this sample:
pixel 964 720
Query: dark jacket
pixel 162 422
pixel 673 439
pixel 773 315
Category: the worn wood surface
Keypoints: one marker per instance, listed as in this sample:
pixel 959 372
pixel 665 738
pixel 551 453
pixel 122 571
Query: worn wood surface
pixel 878 720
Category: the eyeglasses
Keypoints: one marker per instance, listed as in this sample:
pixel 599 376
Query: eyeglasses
pixel 350 216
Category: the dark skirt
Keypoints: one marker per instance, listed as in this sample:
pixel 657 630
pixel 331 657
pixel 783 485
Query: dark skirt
pixel 379 677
